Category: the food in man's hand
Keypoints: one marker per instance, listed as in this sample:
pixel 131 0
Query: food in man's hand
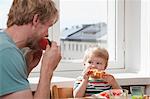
pixel 95 73
pixel 43 43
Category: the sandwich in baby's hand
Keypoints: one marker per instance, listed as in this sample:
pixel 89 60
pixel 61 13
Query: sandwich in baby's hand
pixel 95 73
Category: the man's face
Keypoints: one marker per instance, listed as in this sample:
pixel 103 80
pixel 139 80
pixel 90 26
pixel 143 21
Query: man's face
pixel 41 31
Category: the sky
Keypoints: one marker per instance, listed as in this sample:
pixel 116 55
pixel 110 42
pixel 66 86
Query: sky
pixel 82 11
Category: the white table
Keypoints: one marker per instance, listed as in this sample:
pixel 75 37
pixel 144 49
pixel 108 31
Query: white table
pixel 60 81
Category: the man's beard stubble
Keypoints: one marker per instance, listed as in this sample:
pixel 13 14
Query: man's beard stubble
pixel 33 44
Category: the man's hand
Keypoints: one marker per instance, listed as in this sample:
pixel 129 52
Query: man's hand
pixel 32 59
pixel 51 58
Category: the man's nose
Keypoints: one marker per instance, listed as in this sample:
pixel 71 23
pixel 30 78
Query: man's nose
pixel 46 33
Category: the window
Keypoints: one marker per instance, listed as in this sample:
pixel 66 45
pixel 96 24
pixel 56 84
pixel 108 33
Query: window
pixel 127 40
pixel 90 23
pixel 4 8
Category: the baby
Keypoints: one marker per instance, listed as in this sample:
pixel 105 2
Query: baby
pixel 94 79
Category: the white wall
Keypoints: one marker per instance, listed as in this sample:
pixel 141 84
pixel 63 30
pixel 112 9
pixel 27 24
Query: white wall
pixel 137 36
pixel 145 38
pixel 132 34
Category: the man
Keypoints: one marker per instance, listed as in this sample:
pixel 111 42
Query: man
pixel 28 22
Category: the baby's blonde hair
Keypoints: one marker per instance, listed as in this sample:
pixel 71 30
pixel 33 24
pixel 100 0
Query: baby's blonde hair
pixel 96 52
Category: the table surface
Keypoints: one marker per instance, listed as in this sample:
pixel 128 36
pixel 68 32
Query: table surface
pixel 59 81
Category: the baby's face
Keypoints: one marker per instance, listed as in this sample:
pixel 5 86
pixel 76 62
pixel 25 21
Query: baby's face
pixel 96 62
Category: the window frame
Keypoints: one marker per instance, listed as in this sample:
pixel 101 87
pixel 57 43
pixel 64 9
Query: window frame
pixel 119 63
pixel 135 61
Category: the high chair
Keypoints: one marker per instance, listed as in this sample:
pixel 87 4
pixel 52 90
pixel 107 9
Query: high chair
pixel 61 92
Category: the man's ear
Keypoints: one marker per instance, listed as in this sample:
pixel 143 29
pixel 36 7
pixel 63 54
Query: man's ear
pixel 35 20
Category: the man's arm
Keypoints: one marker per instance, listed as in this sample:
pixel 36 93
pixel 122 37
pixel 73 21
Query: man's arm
pixel 42 92
pixel 43 89
pixel 25 94
pixel 50 61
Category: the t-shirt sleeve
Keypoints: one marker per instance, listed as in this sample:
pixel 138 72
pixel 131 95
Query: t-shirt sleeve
pixel 13 71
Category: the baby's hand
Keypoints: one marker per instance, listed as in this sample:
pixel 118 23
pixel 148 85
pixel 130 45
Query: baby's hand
pixel 111 81
pixel 85 73
pixel 109 78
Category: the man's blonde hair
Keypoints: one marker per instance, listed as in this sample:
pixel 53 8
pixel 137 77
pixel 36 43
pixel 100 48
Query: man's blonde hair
pixel 96 52
pixel 23 11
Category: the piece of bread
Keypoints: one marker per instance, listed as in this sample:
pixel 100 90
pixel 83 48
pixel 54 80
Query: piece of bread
pixel 95 73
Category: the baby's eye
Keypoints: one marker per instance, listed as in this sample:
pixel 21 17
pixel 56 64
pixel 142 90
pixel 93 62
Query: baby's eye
pixel 90 62
pixel 98 63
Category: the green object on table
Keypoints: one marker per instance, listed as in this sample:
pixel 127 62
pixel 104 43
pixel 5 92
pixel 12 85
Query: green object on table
pixel 137 97
pixel 136 92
